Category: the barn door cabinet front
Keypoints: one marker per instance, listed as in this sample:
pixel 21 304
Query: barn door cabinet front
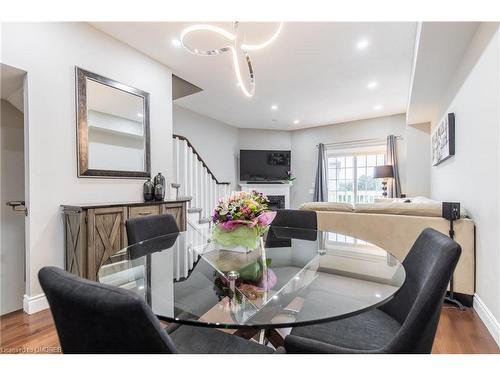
pixel 94 233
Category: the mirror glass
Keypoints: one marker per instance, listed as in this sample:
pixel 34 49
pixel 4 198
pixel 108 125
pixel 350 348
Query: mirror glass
pixel 112 128
pixel 116 137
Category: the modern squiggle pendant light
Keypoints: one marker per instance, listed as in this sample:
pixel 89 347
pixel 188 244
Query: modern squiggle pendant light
pixel 238 50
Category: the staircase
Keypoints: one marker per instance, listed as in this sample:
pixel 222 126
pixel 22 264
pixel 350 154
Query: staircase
pixel 194 179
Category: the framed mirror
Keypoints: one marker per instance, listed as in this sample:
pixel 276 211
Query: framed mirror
pixel 112 128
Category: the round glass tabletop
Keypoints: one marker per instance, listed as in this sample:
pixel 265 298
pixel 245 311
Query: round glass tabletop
pixel 296 277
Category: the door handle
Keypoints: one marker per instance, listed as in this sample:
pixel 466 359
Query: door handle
pixel 19 206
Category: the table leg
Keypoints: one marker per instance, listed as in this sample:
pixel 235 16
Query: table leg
pixel 262 337
pixel 275 338
pixel 246 333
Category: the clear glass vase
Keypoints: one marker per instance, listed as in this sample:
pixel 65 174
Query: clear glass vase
pixel 242 239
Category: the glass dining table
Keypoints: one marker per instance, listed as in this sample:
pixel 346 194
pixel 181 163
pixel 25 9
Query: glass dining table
pixel 296 277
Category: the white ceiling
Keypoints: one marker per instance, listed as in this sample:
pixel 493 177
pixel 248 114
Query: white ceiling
pixel 441 50
pixel 312 71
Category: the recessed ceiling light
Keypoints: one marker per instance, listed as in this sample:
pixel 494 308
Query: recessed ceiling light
pixel 377 107
pixel 296 122
pixel 176 42
pixel 362 44
pixel 139 115
pixel 274 107
pixel 371 85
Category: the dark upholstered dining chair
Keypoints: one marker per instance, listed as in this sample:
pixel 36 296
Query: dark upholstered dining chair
pixel 94 318
pixel 407 323
pixel 292 219
pixel 147 227
pixel 296 219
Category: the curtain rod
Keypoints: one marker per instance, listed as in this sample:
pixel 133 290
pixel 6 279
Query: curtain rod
pixel 398 137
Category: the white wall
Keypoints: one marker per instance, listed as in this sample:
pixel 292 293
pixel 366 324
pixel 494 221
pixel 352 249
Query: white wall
pixel 260 139
pixel 216 142
pixel 472 175
pixel 219 143
pixel 12 188
pixel 304 151
pixel 49 54
pixel 418 159
pixel 206 134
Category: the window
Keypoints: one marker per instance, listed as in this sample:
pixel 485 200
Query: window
pixel 350 176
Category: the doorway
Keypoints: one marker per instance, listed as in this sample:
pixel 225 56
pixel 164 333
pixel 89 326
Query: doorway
pixel 13 211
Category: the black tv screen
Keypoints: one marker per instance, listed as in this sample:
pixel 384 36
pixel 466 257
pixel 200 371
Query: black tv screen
pixel 264 165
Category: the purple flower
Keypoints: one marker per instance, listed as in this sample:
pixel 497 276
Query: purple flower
pixel 269 280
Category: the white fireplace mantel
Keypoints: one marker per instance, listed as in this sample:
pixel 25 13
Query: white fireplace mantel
pixel 270 189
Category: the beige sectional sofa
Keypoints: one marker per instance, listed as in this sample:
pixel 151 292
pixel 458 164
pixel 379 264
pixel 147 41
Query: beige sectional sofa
pixel 395 225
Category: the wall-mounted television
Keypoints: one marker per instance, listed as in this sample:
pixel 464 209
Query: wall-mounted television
pixel 264 165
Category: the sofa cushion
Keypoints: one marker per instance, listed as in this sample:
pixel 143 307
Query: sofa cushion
pixel 400 208
pixel 327 206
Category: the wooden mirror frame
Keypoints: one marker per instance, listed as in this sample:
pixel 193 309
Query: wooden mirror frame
pixel 82 127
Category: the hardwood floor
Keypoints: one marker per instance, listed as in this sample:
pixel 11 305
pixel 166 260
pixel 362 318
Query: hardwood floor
pixel 23 333
pixel 463 332
pixel 458 333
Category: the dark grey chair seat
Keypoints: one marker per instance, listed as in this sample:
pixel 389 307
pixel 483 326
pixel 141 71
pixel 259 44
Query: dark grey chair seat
pixel 367 331
pixel 200 340
pixel 93 318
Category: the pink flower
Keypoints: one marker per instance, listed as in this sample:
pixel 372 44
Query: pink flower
pixel 253 222
pixel 268 280
pixel 266 218
pixel 230 225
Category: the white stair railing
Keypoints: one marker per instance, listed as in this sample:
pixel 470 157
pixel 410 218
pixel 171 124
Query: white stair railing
pixel 196 179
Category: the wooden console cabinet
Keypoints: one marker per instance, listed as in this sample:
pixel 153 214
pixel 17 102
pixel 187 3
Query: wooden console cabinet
pixel 95 232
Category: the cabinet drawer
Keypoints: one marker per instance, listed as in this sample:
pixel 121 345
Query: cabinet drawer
pixel 178 211
pixel 139 211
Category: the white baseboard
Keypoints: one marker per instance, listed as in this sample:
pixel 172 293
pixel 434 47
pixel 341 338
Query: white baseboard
pixel 35 304
pixel 488 318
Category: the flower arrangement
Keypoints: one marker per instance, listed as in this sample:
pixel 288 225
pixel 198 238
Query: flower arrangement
pixel 241 219
pixel 289 176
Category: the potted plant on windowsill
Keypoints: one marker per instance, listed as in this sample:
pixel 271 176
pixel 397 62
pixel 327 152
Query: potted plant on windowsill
pixel 241 220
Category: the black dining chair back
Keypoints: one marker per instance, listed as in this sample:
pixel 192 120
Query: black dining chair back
pixel 417 307
pixel 407 323
pixel 96 318
pixel 296 219
pixel 147 227
pixel 304 224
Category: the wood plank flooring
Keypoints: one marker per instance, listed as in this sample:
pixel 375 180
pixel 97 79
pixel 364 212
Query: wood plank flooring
pixel 458 333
